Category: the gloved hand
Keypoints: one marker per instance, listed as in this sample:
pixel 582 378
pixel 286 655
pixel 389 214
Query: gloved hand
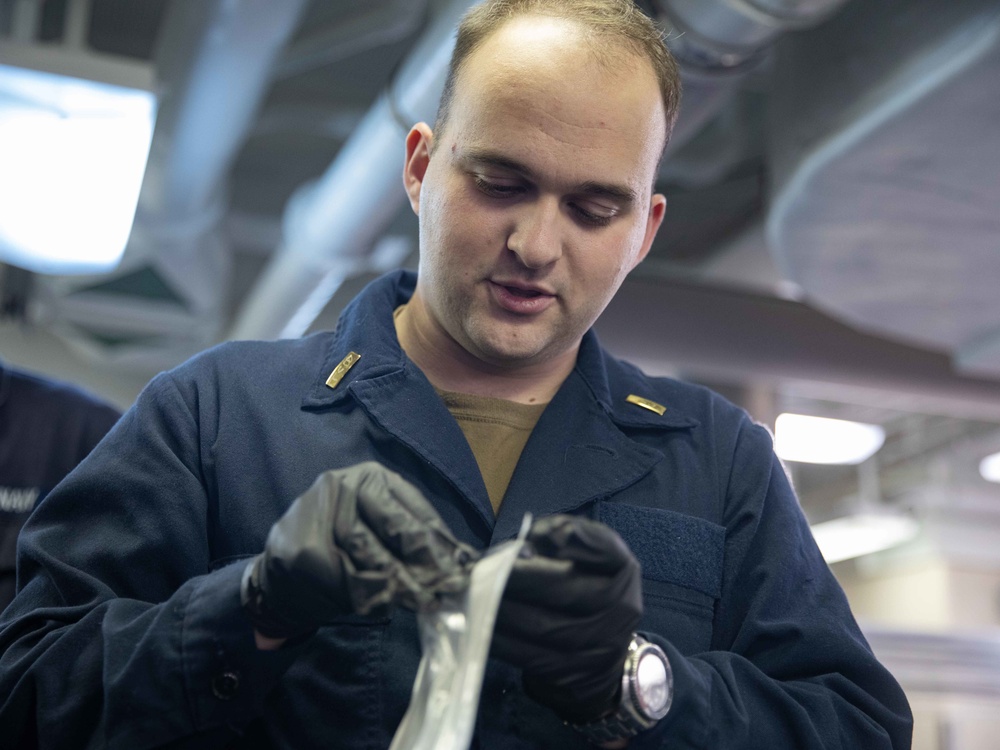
pixel 358 541
pixel 568 615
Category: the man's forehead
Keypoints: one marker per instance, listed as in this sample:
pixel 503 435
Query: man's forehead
pixel 529 100
pixel 561 58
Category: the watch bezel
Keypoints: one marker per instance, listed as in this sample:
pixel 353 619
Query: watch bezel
pixel 639 650
pixel 631 717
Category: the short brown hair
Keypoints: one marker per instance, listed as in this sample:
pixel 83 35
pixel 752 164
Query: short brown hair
pixel 619 19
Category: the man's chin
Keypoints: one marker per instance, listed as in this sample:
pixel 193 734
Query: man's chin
pixel 513 346
pixel 514 355
pixel 502 352
pixel 510 357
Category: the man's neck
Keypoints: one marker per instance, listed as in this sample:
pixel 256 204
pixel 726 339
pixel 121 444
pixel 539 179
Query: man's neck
pixel 449 367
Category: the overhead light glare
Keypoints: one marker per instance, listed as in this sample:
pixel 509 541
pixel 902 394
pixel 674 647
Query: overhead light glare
pixel 820 440
pixel 989 468
pixel 72 157
pixel 863 534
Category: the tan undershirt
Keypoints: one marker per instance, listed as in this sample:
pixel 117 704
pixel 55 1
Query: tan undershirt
pixel 497 431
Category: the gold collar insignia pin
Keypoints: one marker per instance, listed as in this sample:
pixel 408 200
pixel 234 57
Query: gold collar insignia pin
pixel 341 370
pixel 645 403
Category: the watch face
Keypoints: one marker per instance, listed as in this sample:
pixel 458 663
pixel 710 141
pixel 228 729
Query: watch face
pixel 653 689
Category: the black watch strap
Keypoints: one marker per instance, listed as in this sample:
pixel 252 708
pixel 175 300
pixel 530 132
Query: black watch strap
pixel 615 727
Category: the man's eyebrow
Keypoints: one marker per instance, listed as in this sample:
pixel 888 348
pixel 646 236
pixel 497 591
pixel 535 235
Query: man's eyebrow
pixel 619 193
pixel 492 159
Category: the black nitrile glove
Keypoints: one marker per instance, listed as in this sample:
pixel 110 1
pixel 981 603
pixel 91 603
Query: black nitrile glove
pixel 568 615
pixel 358 541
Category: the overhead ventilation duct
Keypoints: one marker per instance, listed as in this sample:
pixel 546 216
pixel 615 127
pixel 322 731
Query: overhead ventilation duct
pixel 382 23
pixel 884 147
pixel 717 42
pixel 213 68
pixel 727 33
pixel 331 225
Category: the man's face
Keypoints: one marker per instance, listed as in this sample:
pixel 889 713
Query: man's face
pixel 536 201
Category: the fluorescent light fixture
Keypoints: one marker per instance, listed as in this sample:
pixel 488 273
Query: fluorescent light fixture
pixel 72 156
pixel 818 440
pixel 989 468
pixel 863 534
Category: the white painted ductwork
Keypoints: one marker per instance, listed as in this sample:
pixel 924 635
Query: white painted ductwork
pixel 886 173
pixel 382 23
pixel 717 42
pixel 331 226
pixel 720 34
pixel 213 68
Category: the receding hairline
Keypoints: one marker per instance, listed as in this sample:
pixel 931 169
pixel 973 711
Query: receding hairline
pixel 630 32
pixel 612 58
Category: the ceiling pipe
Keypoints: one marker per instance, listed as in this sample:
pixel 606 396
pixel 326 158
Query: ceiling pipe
pixel 78 13
pixel 331 225
pixel 882 196
pixel 382 24
pixel 24 20
pixel 717 42
pixel 726 34
pixel 214 64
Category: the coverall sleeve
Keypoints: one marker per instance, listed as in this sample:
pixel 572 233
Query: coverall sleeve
pixel 121 634
pixel 789 667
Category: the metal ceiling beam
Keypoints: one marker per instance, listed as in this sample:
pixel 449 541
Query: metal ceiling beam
pixel 740 336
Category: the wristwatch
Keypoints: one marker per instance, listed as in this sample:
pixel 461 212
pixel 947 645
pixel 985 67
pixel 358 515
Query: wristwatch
pixel 647 692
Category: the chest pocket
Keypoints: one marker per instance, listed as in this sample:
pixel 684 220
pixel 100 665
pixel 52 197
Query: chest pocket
pixel 681 558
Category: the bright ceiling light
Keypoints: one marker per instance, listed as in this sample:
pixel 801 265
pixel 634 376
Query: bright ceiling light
pixel 863 534
pixel 72 156
pixel 818 440
pixel 989 468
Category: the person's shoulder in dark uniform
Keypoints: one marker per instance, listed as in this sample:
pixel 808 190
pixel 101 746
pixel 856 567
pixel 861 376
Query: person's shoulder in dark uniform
pixel 46 428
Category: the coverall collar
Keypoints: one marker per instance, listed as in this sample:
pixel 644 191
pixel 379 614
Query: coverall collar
pixel 577 453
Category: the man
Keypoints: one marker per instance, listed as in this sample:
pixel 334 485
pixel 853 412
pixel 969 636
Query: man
pixel 46 429
pixel 205 607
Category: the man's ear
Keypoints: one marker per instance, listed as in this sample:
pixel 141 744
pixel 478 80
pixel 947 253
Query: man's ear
pixel 657 208
pixel 419 142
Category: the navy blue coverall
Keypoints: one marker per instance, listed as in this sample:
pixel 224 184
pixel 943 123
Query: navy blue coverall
pixel 46 429
pixel 128 632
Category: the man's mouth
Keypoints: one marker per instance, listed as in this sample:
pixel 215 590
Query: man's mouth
pixel 522 299
pixel 524 290
pixel 526 293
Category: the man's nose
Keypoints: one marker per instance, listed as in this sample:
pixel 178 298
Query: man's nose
pixel 536 238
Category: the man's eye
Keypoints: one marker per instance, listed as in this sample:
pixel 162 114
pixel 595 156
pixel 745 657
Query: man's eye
pixel 496 189
pixel 593 218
